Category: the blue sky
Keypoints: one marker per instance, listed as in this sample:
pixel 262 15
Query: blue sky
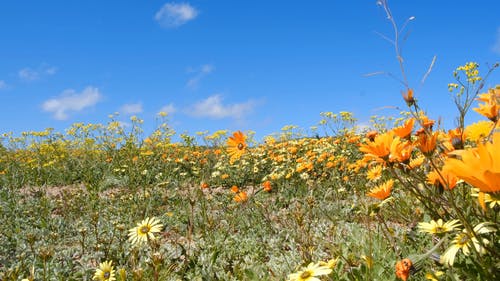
pixel 236 65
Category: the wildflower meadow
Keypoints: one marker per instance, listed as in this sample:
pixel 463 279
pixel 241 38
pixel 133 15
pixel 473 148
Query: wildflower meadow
pixel 401 199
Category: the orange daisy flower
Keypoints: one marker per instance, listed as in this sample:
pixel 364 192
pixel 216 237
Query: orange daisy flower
pixel 403 268
pixel 382 191
pixel 267 186
pixel 371 135
pixel 480 166
pixel 457 138
pixel 405 130
pixel 426 123
pixel 427 143
pixel 353 139
pixel 493 93
pixel 445 180
pixel 236 145
pixel 408 97
pixel 234 189
pixel 416 162
pixel 241 197
pixel 380 147
pixel 400 150
pixel 374 173
pixel 488 110
pixel 477 131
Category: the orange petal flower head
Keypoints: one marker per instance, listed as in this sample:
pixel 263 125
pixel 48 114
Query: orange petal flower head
pixel 427 143
pixel 489 110
pixel 236 145
pixel 457 138
pixel 382 191
pixel 480 166
pixel 419 132
pixel 267 186
pixel 443 179
pixel 493 95
pixel 476 132
pixel 416 162
pixel 490 106
pixel 371 135
pixel 400 150
pixel 380 147
pixel 403 268
pixel 408 97
pixel 427 123
pixel 374 173
pixel 405 130
pixel 241 197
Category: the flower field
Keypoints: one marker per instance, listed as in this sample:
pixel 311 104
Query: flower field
pixel 400 199
pixel 406 201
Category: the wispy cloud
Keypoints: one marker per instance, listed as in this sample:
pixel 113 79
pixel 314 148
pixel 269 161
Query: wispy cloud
pixel 3 85
pixel 172 15
pixel 30 74
pixel 213 107
pixel 199 74
pixel 71 101
pixel 132 108
pixel 496 46
pixel 169 109
pixel 50 70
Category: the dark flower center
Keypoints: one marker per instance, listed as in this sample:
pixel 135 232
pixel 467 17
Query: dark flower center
pixel 305 274
pixel 240 146
pixel 440 229
pixel 144 229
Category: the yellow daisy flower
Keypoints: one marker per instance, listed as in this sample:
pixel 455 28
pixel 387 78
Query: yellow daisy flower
pixel 438 227
pixel 144 231
pixel 105 272
pixel 479 130
pixel 491 199
pixel 416 162
pixel 434 276
pixel 310 273
pixel 465 241
pixel 374 173
pixel 382 191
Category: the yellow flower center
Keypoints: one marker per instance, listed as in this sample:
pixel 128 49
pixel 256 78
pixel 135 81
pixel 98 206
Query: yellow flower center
pixel 144 229
pixel 305 274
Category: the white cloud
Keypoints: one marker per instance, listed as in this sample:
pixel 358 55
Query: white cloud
pixel 496 46
pixel 200 73
pixel 29 74
pixel 169 109
pixel 173 15
pixel 71 101
pixel 213 107
pixel 3 85
pixel 132 108
pixel 50 70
